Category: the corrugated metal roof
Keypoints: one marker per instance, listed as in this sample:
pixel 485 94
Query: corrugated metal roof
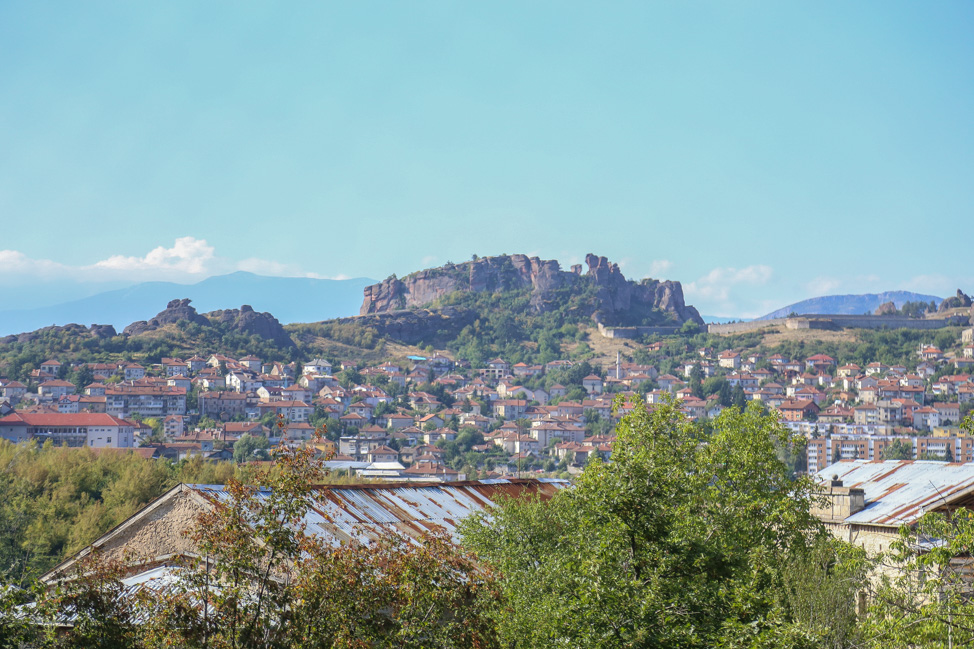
pixel 898 492
pixel 363 512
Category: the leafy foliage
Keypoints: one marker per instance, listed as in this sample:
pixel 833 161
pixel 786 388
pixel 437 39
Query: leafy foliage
pixel 675 543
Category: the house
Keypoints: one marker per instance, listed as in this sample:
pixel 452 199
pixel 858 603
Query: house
pixel 173 425
pixel 592 384
pixel 132 371
pixel 382 454
pixel 949 413
pixel 925 418
pixel 931 354
pixel 12 391
pixel 866 414
pixel 55 389
pixel 292 411
pixel 51 367
pixel 158 533
pixel 835 414
pixel 81 429
pixel 125 400
pixel 509 408
pixel 729 359
pixel 819 362
pixel 868 501
pixel 317 366
pixel 798 410
pixel 431 419
pixel 222 405
pixel 497 368
pixel 669 383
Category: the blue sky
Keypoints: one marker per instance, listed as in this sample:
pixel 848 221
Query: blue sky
pixel 759 152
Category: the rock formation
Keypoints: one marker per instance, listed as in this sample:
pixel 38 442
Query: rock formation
pixel 414 326
pixel 95 331
pixel 244 320
pixel 248 321
pixel 175 311
pixel 887 308
pixel 617 300
pixel 961 300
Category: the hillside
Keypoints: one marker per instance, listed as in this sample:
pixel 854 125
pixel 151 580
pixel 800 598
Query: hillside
pixel 291 299
pixel 850 304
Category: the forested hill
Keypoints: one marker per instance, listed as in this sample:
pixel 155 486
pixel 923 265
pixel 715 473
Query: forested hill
pixel 177 330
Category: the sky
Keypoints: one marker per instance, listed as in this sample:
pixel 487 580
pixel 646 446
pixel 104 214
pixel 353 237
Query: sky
pixel 758 152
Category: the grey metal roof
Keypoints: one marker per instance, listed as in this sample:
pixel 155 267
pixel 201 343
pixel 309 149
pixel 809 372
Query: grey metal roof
pixel 364 512
pixel 898 492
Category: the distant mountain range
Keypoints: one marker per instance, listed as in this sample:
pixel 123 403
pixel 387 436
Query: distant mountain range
pixel 290 299
pixel 850 304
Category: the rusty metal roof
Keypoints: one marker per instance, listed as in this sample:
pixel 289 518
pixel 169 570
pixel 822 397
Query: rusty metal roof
pixel 364 512
pixel 898 492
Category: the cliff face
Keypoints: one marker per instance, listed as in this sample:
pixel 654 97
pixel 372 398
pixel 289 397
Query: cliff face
pixel 617 300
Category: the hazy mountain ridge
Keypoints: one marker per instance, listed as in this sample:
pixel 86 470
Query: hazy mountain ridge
pixel 290 299
pixel 850 304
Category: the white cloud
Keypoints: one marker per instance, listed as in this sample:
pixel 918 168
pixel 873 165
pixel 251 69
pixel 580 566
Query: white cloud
pixel 823 285
pixel 722 291
pixel 660 267
pixel 187 260
pixel 718 283
pixel 187 255
pixel 13 262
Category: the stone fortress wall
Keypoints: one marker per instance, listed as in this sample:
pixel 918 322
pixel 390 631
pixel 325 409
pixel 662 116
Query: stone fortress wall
pixel 840 321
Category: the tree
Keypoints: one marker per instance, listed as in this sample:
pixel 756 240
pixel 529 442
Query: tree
pixel 675 543
pixel 696 381
pixel 249 447
pixel 898 449
pixel 925 599
pixel 283 585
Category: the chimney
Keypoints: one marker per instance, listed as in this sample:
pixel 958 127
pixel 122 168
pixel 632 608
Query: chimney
pixel 836 502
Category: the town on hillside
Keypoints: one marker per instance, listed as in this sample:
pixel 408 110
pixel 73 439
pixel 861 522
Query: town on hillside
pixel 439 419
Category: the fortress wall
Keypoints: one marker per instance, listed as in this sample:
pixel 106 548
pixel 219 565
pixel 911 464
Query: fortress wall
pixel 740 327
pixel 841 321
pixel 631 333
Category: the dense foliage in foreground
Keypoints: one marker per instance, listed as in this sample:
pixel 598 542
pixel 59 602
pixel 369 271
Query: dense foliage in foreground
pixel 686 539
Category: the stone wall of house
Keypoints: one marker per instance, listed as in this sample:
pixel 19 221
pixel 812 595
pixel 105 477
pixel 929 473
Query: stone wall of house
pixel 159 533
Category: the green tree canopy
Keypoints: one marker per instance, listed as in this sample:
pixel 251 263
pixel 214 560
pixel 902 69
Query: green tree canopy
pixel 680 541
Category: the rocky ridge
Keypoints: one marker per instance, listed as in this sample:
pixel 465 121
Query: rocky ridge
pixel 618 301
pixel 81 331
pixel 244 320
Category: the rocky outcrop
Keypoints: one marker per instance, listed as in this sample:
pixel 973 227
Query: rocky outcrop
pixel 414 326
pixel 245 320
pixel 617 301
pixel 886 308
pixel 959 301
pixel 175 311
pixel 254 323
pixel 81 331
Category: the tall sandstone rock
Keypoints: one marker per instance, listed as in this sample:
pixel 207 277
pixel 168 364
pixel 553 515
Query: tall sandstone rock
pixel 618 300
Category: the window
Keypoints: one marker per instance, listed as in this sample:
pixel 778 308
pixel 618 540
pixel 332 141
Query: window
pixel 109 440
